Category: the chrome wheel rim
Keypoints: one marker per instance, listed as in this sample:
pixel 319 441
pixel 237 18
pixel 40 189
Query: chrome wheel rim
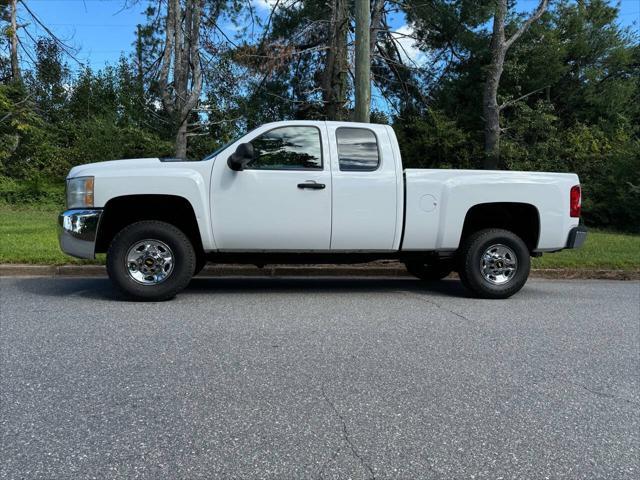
pixel 149 262
pixel 498 264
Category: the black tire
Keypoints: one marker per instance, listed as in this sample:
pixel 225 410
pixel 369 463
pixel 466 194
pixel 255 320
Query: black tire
pixel 184 260
pixel 470 268
pixel 430 272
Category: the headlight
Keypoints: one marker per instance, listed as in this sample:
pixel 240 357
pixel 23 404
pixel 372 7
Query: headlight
pixel 80 192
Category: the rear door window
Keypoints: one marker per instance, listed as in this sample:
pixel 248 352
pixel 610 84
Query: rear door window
pixel 357 149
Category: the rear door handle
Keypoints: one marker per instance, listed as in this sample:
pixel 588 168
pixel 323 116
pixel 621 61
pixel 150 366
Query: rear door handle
pixel 311 185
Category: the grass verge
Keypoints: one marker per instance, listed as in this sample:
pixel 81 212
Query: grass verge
pixel 602 250
pixel 28 235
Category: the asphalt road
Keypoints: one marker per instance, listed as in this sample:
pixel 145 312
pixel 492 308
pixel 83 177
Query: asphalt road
pixel 320 378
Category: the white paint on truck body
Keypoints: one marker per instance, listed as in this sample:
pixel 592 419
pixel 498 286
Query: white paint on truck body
pixel 367 205
pixel 457 191
pixel 150 176
pixel 264 210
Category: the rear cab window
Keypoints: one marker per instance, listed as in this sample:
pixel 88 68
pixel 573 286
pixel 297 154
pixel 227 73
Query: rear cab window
pixel 357 149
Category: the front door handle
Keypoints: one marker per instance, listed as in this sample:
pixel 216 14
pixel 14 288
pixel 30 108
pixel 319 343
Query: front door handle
pixel 311 185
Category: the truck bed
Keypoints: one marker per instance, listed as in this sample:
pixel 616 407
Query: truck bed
pixel 437 202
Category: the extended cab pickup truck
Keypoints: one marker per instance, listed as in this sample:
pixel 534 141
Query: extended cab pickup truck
pixel 315 192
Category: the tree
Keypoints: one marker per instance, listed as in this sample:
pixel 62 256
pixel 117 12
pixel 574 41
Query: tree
pixel 499 47
pixel 181 72
pixel 363 61
pixel 13 34
pixel 303 59
pixel 334 75
pixel 50 83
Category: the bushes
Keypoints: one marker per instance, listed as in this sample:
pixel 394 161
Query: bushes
pixel 54 120
pixel 99 139
pixel 36 190
pixel 31 148
pixel 608 162
pixel 434 141
pixel 53 150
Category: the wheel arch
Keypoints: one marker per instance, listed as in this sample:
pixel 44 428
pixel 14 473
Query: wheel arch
pixel 523 219
pixel 124 210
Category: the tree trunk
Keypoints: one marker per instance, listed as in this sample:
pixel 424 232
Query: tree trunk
pixel 491 112
pixel 15 65
pixel 181 140
pixel 334 76
pixel 363 61
pixel 180 72
pixel 490 107
pixel 139 59
pixel 377 9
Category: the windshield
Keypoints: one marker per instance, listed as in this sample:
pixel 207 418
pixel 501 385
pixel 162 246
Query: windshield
pixel 218 150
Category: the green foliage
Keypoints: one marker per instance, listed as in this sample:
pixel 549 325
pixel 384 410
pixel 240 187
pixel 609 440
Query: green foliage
pixel 433 141
pixel 26 143
pixel 99 139
pixel 36 190
pixel 608 162
pixel 53 121
pixel 570 90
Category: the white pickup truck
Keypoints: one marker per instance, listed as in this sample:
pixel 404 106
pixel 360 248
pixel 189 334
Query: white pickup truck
pixel 314 192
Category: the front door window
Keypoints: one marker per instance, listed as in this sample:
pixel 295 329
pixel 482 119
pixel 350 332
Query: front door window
pixel 288 148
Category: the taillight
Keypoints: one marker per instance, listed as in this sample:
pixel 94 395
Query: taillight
pixel 575 201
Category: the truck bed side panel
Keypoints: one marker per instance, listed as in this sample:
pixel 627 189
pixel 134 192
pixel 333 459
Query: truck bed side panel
pixel 438 200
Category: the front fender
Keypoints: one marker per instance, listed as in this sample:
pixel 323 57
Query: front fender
pixel 190 183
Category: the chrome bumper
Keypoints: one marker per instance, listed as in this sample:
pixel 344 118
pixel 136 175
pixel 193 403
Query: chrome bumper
pixel 77 232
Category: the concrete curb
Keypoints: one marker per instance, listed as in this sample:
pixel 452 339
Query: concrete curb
pixel 377 269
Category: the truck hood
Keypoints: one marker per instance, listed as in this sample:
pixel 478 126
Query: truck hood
pixel 94 169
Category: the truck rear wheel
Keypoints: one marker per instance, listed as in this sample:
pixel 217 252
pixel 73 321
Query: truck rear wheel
pixel 150 261
pixel 429 272
pixel 494 263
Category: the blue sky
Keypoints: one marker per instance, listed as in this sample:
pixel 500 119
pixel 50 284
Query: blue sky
pixel 103 29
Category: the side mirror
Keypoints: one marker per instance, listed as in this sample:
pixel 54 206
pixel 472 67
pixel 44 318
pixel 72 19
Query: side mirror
pixel 243 155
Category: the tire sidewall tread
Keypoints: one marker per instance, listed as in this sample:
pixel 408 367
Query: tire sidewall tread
pixel 184 258
pixel 473 248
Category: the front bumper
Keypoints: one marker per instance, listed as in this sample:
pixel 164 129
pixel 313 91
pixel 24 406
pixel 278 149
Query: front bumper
pixel 577 236
pixel 77 232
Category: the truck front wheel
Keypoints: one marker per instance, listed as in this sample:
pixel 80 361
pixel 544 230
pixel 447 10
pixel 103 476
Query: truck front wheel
pixel 150 261
pixel 494 263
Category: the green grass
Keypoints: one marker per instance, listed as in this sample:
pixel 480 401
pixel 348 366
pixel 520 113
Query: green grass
pixel 601 250
pixel 28 235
